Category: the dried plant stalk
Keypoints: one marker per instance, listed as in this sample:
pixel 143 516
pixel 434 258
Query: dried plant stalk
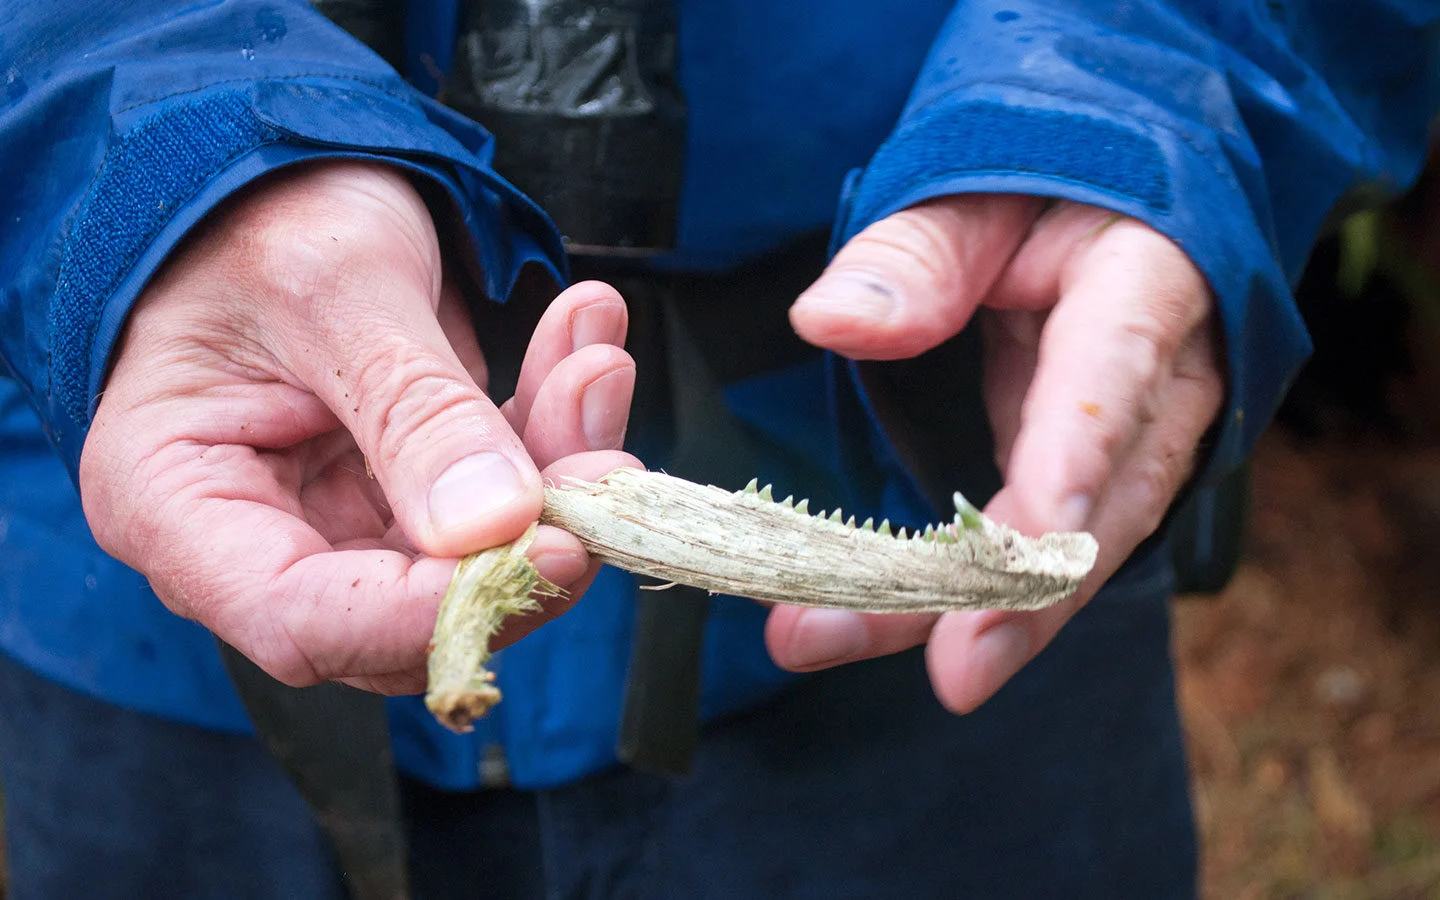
pixel 748 544
pixel 486 589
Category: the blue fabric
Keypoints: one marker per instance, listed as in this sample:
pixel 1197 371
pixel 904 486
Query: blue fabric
pixel 73 614
pixel 784 99
pixel 1233 130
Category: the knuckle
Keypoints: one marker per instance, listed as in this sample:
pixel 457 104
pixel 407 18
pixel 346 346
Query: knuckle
pixel 287 664
pixel 97 490
pixel 178 595
pixel 1142 345
pixel 1163 258
pixel 122 497
pixel 1089 470
pixel 1176 295
pixel 281 648
pixel 1152 497
pixel 1104 434
pixel 408 397
pixel 910 242
pixel 1189 291
pixel 304 266
pixel 1203 382
pixel 1158 481
pixel 305 258
pixel 1211 394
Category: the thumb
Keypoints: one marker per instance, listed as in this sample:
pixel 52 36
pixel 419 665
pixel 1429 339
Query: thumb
pixel 455 474
pixel 911 281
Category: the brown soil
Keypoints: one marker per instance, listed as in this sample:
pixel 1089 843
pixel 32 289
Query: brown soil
pixel 1308 686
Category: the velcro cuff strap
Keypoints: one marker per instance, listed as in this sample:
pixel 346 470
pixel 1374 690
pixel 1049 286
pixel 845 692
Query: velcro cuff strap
pixel 977 137
pixel 148 174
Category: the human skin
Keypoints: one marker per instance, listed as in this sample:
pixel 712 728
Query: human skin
pixel 1102 373
pixel 294 444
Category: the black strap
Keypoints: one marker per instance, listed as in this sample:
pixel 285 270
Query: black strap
pixel 691 335
pixel 660 724
pixel 334 743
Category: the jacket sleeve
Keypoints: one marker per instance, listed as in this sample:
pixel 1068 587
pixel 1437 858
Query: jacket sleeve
pixel 1233 128
pixel 122 124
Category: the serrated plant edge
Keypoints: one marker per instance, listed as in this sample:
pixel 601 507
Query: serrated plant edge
pixel 749 544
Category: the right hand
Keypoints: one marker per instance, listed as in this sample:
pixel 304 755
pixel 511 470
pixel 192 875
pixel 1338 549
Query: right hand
pixel 295 446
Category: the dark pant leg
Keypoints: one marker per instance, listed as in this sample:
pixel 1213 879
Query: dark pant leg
pixel 102 802
pixel 478 844
pixel 857 784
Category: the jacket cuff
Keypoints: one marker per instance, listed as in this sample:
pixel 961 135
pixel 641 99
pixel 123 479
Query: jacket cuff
pixel 172 162
pixel 1005 139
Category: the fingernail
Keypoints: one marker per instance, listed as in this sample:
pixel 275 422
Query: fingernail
pixel 605 409
pixel 1002 649
pixel 827 636
pixel 849 293
pixel 1074 513
pixel 598 323
pixel 563 569
pixel 472 489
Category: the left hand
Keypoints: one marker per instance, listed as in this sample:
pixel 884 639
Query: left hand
pixel 1103 370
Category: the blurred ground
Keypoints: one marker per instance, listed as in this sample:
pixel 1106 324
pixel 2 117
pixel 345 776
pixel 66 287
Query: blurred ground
pixel 1309 686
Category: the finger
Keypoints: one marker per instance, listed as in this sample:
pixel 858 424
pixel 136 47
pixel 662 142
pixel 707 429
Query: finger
pixel 327 651
pixel 583 405
pixel 1012 352
pixel 807 640
pixel 559 559
pixel 341 501
pixel 558 555
pixel 588 313
pixel 971 656
pixel 552 566
pixel 456 476
pixel 1164 458
pixel 1020 304
pixel 459 330
pixel 1051 253
pixel 912 280
pixel 1106 352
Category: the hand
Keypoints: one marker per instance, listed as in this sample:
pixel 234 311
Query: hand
pixel 294 445
pixel 1102 373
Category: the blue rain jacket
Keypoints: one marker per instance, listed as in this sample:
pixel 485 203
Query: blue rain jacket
pixel 1234 128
